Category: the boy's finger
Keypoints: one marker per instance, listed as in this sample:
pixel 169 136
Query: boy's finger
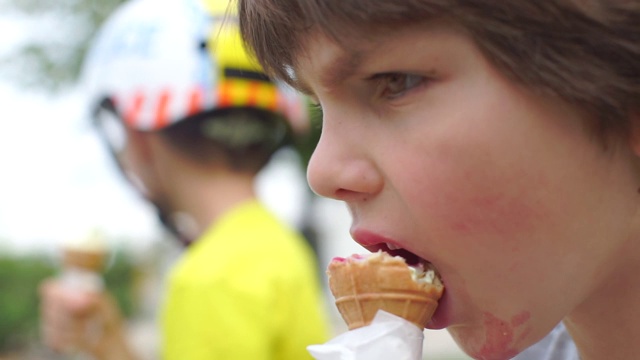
pixel 56 294
pixel 61 338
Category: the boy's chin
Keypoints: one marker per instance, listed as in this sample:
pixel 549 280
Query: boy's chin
pixel 495 340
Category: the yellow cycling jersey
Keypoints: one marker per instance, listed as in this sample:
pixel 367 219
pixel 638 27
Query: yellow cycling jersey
pixel 247 289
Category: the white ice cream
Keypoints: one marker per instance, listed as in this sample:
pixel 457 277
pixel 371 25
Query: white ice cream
pixel 420 275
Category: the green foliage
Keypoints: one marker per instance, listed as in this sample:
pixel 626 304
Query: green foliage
pixel 20 277
pixel 120 281
pixel 306 143
pixel 51 59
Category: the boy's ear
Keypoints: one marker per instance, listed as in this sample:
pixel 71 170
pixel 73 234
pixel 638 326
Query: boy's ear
pixel 139 144
pixel 137 162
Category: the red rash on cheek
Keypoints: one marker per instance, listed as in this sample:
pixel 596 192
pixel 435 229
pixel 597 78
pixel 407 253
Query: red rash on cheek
pixel 499 337
pixel 493 214
pixel 470 201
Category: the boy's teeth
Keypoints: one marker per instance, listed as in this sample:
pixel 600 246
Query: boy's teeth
pixel 392 247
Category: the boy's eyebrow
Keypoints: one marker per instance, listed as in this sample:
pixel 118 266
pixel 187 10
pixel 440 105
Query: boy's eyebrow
pixel 340 68
pixel 334 72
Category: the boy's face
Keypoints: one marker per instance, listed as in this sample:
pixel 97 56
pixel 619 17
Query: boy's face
pixel 505 191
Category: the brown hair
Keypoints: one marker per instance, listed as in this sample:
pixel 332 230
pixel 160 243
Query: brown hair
pixel 585 51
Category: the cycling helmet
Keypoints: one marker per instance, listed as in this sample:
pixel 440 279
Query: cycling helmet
pixel 157 62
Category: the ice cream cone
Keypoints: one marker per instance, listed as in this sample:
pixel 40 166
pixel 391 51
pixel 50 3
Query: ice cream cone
pixel 83 259
pixel 363 284
pixel 85 253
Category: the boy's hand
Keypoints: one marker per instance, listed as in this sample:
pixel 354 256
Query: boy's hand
pixel 76 320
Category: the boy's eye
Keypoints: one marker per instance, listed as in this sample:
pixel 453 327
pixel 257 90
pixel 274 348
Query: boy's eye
pixel 396 84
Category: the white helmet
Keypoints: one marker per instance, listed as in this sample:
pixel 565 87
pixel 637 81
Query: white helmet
pixel 160 61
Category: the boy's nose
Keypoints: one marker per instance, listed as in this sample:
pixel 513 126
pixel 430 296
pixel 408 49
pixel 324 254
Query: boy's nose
pixel 340 168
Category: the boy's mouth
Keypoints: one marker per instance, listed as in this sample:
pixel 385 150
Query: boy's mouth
pixel 374 242
pixel 394 250
pixel 409 257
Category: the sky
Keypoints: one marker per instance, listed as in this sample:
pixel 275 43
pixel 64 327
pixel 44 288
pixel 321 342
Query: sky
pixel 56 180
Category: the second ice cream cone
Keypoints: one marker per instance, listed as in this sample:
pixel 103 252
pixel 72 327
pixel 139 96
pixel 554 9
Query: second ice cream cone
pixel 88 253
pixel 87 260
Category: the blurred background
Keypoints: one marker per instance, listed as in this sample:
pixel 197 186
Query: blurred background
pixel 58 183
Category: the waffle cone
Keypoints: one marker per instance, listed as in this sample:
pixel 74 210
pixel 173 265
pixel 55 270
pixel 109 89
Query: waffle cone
pixel 86 260
pixel 362 285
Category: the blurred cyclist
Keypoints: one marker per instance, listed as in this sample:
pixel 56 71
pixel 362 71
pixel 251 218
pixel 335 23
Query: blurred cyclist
pixel 191 120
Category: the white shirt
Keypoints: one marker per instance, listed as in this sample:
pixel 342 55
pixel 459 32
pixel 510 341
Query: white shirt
pixel 557 345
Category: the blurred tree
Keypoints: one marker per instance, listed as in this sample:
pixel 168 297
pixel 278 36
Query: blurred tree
pixel 57 36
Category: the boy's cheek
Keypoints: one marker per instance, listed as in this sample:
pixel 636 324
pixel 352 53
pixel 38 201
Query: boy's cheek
pixel 473 208
pixel 495 214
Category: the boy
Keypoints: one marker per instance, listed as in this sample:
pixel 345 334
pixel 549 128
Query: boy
pixel 499 140
pixel 191 120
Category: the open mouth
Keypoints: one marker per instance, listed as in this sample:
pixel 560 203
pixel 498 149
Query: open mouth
pixel 409 257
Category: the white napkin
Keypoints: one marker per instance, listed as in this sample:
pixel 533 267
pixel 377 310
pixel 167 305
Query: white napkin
pixel 387 337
